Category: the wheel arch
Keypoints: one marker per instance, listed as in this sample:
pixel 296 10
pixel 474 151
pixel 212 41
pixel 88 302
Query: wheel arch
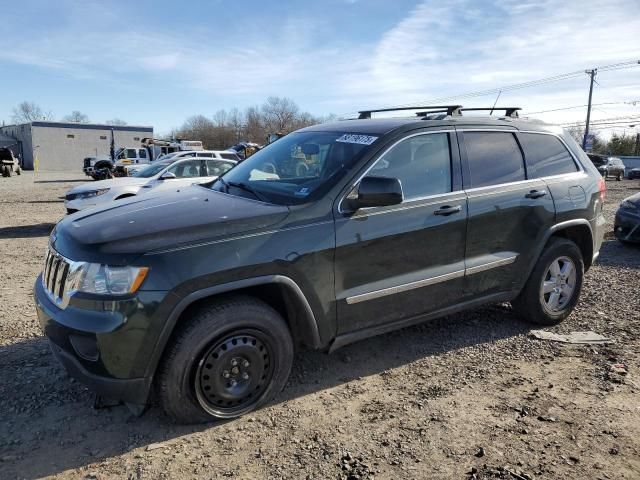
pixel 278 291
pixel 578 231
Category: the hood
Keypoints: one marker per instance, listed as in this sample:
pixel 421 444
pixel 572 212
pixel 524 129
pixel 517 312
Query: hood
pixel 112 182
pixel 182 217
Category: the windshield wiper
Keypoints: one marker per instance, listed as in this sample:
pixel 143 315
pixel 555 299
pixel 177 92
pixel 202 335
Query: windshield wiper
pixel 246 188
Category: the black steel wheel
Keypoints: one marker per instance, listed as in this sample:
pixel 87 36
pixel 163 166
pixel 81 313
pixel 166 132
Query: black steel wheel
pixel 234 373
pixel 230 358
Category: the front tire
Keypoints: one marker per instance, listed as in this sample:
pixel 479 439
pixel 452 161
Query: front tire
pixel 232 357
pixel 553 288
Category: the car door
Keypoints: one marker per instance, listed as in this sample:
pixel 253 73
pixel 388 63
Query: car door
pixel 397 262
pixel 509 214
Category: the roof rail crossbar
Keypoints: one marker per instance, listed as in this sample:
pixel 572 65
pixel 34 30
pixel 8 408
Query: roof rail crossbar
pixel 509 111
pixel 450 109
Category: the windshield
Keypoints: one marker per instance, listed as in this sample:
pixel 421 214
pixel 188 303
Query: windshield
pixel 152 169
pixel 295 168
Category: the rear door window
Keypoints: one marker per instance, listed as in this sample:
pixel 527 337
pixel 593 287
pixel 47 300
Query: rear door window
pixel 131 153
pixel 494 158
pixel 218 167
pixel 546 155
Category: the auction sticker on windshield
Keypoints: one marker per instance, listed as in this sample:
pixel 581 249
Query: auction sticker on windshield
pixel 359 139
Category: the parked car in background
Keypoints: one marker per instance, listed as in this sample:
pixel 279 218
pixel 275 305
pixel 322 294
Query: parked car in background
pixel 203 294
pixel 9 163
pixel 218 154
pixel 626 226
pixel 91 164
pixel 634 173
pixel 608 166
pixel 221 154
pixel 159 176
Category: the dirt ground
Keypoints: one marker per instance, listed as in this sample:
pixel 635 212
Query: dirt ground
pixel 469 396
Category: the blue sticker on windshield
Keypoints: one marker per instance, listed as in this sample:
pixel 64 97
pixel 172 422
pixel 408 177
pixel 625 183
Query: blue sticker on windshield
pixel 355 138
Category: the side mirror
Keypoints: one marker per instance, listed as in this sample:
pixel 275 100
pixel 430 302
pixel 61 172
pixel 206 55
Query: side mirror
pixel 376 192
pixel 167 176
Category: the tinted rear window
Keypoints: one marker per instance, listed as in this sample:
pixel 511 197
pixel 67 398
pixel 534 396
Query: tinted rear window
pixel 494 158
pixel 229 156
pixel 546 155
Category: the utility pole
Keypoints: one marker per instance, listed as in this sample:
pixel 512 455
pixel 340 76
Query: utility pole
pixel 637 149
pixel 592 74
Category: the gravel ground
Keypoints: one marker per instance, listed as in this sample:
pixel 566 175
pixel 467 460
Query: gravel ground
pixel 466 397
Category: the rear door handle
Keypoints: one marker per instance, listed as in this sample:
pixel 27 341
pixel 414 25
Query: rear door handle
pixel 536 194
pixel 448 210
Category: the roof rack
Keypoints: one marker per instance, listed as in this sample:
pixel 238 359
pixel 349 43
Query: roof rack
pixel 508 111
pixel 450 109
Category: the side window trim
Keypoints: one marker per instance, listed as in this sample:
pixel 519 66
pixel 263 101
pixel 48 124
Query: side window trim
pixel 456 180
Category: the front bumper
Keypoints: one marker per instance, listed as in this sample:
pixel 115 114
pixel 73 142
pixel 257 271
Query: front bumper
pixel 106 345
pixel 626 226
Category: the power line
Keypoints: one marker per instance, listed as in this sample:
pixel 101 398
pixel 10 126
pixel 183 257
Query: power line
pixel 632 102
pixel 516 86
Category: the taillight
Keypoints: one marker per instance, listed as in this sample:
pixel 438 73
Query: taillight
pixel 602 186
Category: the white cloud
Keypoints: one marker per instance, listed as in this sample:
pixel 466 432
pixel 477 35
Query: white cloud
pixel 439 49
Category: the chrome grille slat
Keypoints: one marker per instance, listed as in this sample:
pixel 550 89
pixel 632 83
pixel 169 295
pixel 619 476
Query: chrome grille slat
pixel 63 269
pixel 45 269
pixel 49 262
pixel 52 281
pixel 54 277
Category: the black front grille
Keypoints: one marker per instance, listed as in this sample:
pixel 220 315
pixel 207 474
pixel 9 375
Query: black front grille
pixel 70 196
pixel 54 275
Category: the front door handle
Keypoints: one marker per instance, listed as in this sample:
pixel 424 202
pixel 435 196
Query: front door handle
pixel 536 194
pixel 448 210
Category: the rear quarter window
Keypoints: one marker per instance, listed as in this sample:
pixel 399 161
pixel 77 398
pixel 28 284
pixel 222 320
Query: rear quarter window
pixel 494 158
pixel 545 155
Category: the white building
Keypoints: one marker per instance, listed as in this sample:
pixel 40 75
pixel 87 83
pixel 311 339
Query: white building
pixel 62 146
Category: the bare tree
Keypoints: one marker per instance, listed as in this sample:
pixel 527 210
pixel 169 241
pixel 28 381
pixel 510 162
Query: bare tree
pixel 198 127
pixel 29 112
pixel 577 133
pixel 76 117
pixel 116 121
pixel 279 114
pixel 236 124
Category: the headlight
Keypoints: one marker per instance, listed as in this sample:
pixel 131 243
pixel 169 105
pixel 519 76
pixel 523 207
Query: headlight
pixel 92 193
pixel 105 279
pixel 627 205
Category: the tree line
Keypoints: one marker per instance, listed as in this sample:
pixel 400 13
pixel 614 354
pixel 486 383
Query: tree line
pixel 618 145
pixel 221 130
pixel 27 112
pixel 225 128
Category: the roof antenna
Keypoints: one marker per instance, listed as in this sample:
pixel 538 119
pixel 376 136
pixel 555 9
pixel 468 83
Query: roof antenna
pixel 494 103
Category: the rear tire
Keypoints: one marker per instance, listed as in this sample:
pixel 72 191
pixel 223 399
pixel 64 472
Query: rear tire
pixel 18 171
pixel 230 358
pixel 619 177
pixel 553 288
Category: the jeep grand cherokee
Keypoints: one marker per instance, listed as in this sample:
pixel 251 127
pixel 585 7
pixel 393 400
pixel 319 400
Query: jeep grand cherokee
pixel 332 234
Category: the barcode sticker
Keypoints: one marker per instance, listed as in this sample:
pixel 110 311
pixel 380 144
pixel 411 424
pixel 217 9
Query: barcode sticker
pixel 355 138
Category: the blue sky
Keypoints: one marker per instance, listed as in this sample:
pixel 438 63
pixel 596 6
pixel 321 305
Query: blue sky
pixel 156 63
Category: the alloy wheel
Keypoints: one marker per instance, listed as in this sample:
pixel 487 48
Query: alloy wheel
pixel 558 285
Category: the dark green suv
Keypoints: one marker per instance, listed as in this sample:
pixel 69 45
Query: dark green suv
pixel 332 234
